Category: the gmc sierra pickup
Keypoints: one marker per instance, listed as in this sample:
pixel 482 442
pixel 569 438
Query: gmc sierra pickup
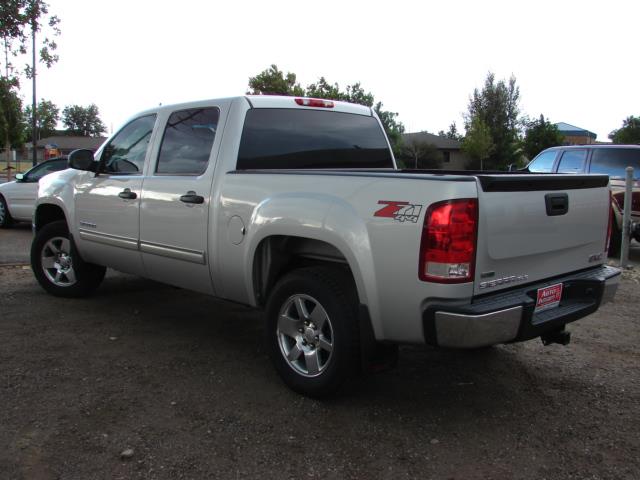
pixel 295 206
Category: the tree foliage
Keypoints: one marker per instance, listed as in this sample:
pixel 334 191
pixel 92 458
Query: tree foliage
pixel 83 121
pixel 478 144
pixel 452 133
pixel 47 117
pixel 496 106
pixel 11 132
pixel 629 133
pixel 539 135
pixel 421 155
pixel 18 20
pixel 273 81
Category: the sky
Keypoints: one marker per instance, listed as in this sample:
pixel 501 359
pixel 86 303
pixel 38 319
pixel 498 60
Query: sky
pixel 574 61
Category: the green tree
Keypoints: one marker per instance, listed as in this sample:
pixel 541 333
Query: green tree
pixel 452 133
pixel 478 144
pixel 47 115
pixel 274 82
pixel 11 132
pixel 539 135
pixel 496 106
pixel 629 133
pixel 419 155
pixel 83 121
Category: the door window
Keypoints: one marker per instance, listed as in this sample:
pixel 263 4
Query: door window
pixel 45 168
pixel 125 153
pixel 543 163
pixel 572 161
pixel 187 141
pixel 614 161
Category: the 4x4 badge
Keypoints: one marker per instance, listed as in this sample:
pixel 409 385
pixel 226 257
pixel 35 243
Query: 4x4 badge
pixel 400 211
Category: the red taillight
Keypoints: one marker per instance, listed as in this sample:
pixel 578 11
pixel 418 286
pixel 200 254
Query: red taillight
pixel 448 246
pixel 314 102
pixel 608 241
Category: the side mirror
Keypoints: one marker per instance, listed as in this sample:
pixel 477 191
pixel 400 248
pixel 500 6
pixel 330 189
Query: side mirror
pixel 20 177
pixel 82 160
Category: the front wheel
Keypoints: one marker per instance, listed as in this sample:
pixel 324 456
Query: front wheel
pixel 312 334
pixel 57 265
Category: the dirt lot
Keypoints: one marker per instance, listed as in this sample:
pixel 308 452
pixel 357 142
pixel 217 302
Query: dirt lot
pixel 183 381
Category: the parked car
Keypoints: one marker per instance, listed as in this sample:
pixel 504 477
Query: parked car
pixel 18 198
pixel 611 160
pixel 295 206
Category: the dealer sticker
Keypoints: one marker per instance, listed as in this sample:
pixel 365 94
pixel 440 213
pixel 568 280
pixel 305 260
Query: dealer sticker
pixel 548 297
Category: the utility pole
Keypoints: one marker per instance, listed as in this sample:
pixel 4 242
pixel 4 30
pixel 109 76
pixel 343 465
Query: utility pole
pixel 34 133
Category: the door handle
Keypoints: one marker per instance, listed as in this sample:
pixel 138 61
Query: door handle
pixel 192 197
pixel 556 203
pixel 127 194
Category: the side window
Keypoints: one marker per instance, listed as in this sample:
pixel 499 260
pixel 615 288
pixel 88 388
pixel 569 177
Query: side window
pixel 187 141
pixel 543 163
pixel 572 161
pixel 126 152
pixel 614 161
pixel 45 169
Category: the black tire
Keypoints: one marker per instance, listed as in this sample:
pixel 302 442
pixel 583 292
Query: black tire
pixel 615 240
pixel 5 217
pixel 77 278
pixel 333 290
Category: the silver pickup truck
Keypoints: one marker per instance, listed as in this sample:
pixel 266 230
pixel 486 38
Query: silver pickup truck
pixel 295 206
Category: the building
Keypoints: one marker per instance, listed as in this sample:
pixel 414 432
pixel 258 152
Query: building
pixel 575 135
pixel 452 156
pixel 63 145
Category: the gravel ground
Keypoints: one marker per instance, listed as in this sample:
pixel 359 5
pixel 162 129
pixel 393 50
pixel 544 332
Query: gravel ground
pixel 181 385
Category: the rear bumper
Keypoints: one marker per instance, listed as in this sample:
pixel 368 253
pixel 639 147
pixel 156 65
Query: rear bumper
pixel 509 316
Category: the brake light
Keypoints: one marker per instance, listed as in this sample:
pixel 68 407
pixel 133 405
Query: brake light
pixel 314 102
pixel 448 245
pixel 608 240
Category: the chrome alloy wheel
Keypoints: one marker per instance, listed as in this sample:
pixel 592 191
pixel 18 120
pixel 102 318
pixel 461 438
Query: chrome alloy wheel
pixel 57 263
pixel 305 335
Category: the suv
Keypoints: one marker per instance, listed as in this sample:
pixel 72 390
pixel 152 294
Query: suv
pixel 611 160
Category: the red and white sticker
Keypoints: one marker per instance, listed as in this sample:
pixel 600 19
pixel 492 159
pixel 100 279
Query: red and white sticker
pixel 549 297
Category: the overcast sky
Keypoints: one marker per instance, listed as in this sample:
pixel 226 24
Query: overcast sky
pixel 575 61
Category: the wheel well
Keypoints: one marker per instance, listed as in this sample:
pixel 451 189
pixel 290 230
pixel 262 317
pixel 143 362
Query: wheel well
pixel 279 254
pixel 46 214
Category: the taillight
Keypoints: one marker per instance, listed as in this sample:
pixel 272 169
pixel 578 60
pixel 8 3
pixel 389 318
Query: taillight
pixel 608 241
pixel 314 102
pixel 448 246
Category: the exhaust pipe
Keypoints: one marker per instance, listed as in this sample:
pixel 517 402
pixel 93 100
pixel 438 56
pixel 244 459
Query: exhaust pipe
pixel 561 337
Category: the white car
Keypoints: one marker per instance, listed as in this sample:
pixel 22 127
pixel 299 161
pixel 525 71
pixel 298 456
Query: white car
pixel 18 198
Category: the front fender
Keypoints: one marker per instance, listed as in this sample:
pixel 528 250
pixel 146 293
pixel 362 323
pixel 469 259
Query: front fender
pixel 57 189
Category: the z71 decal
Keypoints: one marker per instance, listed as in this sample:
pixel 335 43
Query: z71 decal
pixel 400 211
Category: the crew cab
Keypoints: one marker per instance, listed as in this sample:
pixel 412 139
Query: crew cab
pixel 295 206
pixel 609 160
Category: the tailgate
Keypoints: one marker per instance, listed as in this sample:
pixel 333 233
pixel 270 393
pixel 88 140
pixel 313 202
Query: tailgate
pixel 533 227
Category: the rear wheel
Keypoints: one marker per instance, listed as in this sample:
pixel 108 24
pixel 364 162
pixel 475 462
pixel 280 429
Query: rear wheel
pixel 312 334
pixel 58 266
pixel 5 216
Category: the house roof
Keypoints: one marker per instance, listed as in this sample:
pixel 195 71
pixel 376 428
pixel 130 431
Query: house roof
pixel 443 143
pixel 71 143
pixel 568 129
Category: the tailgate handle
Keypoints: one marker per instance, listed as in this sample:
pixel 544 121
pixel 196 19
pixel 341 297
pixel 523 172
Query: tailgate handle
pixel 557 203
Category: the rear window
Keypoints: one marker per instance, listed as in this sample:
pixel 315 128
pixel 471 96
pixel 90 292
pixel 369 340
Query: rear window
pixel 613 162
pixel 291 138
